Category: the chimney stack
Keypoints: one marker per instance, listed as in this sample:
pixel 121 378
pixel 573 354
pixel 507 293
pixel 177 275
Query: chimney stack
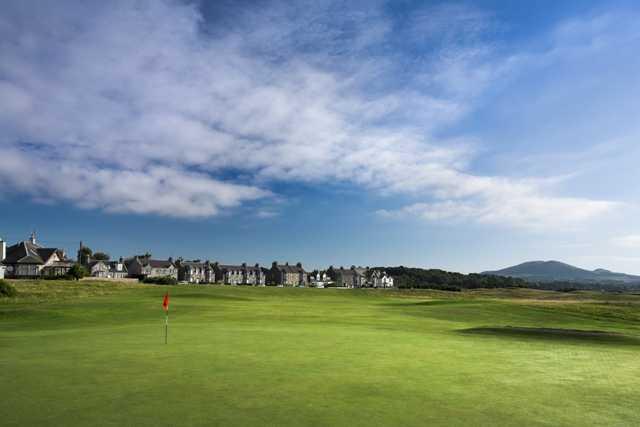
pixel 3 250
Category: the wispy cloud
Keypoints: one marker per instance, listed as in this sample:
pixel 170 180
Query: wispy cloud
pixel 133 108
pixel 631 241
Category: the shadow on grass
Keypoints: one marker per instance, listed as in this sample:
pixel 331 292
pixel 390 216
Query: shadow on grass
pixel 431 303
pixel 552 334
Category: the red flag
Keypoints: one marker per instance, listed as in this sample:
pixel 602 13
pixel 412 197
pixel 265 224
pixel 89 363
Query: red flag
pixel 165 302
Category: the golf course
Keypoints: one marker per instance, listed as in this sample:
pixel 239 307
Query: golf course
pixel 93 353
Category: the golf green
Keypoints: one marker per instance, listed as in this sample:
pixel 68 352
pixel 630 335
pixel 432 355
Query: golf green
pixel 93 353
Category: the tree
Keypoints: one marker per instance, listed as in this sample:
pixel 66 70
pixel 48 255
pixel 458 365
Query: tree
pixel 84 255
pixel 77 272
pixel 101 256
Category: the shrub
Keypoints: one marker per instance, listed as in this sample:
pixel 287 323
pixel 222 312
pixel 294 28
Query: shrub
pixel 6 290
pixel 164 280
pixel 77 272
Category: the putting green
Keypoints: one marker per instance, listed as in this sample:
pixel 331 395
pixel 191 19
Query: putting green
pixel 93 353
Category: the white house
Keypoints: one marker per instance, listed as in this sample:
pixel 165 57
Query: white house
pixel 29 260
pixel 380 279
pixel 319 280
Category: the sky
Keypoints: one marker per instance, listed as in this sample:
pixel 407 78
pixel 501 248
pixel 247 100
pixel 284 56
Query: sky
pixel 466 136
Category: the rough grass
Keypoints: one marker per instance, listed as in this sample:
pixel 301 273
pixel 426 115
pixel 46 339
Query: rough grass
pixel 92 353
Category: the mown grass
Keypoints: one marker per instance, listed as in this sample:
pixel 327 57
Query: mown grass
pixel 92 353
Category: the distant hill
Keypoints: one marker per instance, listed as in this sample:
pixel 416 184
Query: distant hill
pixel 554 271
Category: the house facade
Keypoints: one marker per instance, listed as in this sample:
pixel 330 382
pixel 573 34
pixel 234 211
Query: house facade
pixel 195 271
pixel 108 269
pixel 380 279
pixel 319 279
pixel 143 267
pixel 254 275
pixel 98 269
pixel 28 259
pixel 348 277
pixel 239 274
pixel 117 269
pixel 287 275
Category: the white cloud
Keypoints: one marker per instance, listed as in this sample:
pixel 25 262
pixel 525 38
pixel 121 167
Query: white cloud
pixel 131 108
pixel 631 241
pixel 528 212
pixel 153 190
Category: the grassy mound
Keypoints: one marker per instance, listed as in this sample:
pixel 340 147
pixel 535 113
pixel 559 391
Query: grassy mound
pixel 6 290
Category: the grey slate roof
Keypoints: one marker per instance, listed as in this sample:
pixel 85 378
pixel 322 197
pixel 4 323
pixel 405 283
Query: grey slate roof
pixel 193 264
pixel 113 266
pixel 153 263
pixel 240 267
pixel 290 268
pixel 29 253
pixel 157 263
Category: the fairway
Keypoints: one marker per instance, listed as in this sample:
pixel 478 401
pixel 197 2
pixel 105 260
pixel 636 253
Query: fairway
pixel 93 353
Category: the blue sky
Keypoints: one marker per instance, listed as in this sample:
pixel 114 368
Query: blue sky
pixel 458 135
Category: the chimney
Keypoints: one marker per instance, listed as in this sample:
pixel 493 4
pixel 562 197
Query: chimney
pixel 3 250
pixel 33 237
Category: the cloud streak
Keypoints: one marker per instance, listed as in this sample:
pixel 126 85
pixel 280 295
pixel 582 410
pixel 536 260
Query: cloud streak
pixel 135 109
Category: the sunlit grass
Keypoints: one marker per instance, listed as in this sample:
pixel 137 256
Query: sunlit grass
pixel 92 353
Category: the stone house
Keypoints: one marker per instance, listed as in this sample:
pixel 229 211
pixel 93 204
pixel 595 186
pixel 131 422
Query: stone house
pixel 348 277
pixel 254 275
pixel 143 267
pixel 28 259
pixel 287 275
pixel 195 271
pixel 239 274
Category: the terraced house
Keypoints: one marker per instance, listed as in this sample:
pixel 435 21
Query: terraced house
pixel 239 274
pixel 354 277
pixel 287 275
pixel 195 271
pixel 28 259
pixel 144 266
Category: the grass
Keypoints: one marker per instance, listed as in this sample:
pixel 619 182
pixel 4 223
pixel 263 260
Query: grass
pixel 92 353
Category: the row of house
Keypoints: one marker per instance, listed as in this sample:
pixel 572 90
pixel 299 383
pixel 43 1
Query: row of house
pixel 28 259
pixel 354 277
pixel 280 275
pixel 208 272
